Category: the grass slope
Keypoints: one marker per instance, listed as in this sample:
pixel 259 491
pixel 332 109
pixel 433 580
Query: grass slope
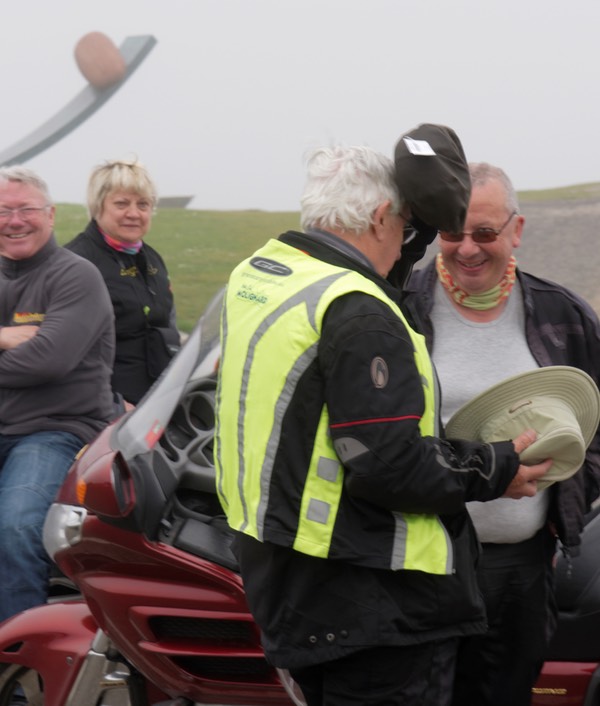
pixel 564 193
pixel 201 247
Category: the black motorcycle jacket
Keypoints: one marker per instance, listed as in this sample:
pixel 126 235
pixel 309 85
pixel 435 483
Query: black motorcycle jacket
pixel 312 609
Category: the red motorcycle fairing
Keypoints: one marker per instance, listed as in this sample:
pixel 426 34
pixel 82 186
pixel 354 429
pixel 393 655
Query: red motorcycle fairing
pixel 52 639
pixel 567 684
pixel 174 615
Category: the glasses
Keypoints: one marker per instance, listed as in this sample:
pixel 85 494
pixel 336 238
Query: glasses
pixel 409 231
pixel 25 213
pixel 479 235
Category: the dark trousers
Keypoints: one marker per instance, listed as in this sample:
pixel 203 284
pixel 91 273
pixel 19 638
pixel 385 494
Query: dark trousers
pixel 500 667
pixel 418 675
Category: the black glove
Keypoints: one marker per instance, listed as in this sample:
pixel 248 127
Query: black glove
pixel 411 253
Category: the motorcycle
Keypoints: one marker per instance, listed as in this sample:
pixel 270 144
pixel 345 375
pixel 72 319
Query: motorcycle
pixel 571 673
pixel 159 616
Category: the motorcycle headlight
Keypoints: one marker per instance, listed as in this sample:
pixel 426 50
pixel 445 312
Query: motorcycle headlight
pixel 62 527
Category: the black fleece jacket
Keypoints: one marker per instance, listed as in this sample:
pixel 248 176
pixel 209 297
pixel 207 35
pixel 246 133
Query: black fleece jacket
pixel 141 296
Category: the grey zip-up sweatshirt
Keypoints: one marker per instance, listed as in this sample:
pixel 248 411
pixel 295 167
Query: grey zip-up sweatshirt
pixel 60 379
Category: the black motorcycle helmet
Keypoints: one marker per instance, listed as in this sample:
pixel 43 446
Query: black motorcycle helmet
pixel 432 176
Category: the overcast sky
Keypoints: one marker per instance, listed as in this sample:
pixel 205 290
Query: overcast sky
pixel 235 92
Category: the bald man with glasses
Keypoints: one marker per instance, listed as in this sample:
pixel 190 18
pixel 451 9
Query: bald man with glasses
pixel 484 321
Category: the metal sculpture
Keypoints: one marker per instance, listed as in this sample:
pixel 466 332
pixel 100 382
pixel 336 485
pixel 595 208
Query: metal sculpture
pixel 133 50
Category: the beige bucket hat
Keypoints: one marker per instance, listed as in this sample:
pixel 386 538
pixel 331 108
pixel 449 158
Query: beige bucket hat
pixel 561 403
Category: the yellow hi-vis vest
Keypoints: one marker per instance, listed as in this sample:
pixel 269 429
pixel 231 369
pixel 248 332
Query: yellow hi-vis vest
pixel 271 326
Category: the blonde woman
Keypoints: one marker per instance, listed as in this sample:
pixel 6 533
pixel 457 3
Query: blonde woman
pixel 121 201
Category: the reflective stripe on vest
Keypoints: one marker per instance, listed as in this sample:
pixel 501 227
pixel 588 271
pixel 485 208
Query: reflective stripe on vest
pixel 255 391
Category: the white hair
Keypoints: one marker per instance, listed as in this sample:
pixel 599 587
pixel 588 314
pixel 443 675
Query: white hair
pixel 344 186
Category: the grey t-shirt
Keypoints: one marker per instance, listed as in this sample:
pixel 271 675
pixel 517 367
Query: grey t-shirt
pixel 470 357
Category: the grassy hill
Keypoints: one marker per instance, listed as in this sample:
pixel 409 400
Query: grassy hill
pixel 201 247
pixel 565 193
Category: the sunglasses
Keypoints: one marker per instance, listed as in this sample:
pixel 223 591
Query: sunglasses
pixel 481 236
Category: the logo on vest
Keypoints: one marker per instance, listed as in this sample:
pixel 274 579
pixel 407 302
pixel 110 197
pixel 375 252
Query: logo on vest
pixel 264 264
pixel 379 372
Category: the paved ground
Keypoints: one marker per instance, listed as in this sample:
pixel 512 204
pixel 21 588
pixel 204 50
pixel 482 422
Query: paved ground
pixel 561 242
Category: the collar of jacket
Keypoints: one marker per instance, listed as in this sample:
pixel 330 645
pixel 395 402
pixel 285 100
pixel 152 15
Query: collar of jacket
pixel 322 249
pixel 12 269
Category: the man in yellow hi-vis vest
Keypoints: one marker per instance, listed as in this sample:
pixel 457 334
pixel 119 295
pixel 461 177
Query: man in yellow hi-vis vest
pixel 354 544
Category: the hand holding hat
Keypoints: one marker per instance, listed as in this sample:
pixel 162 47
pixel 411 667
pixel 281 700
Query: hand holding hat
pixel 525 482
pixel 560 403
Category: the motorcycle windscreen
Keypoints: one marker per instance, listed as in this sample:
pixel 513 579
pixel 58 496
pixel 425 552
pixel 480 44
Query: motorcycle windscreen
pixel 139 430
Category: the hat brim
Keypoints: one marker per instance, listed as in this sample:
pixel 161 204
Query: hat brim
pixel 571 385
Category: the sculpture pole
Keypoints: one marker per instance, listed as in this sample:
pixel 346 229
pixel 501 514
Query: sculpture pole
pixel 133 50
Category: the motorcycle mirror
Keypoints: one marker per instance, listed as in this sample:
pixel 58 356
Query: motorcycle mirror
pixel 104 481
pixel 107 490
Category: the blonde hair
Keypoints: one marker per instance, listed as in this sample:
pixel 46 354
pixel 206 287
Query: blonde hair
pixel 119 175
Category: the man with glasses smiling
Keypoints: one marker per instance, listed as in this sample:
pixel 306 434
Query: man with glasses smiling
pixel 484 321
pixel 56 355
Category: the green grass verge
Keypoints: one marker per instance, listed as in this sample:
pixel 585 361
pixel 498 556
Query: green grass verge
pixel 567 193
pixel 202 247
